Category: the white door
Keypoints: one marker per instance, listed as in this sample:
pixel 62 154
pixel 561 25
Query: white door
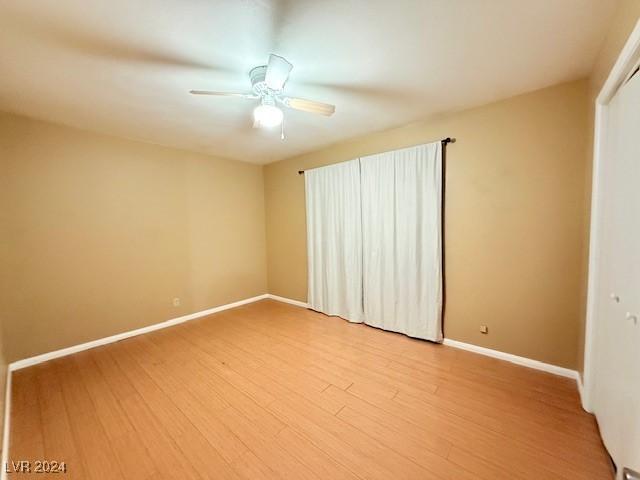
pixel 616 400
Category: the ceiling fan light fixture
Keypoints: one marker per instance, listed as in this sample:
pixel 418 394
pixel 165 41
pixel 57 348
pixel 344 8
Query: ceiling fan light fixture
pixel 267 84
pixel 267 115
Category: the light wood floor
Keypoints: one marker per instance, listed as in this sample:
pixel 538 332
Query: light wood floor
pixel 275 391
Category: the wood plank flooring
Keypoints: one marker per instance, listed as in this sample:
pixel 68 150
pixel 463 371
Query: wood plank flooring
pixel 272 391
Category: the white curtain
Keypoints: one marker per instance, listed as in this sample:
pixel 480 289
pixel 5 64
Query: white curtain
pixel 374 240
pixel 402 251
pixel 334 240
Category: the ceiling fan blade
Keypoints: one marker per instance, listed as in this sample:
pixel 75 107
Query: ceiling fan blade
pixel 221 94
pixel 277 72
pixel 309 106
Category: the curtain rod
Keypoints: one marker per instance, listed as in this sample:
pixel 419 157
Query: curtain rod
pixel 444 142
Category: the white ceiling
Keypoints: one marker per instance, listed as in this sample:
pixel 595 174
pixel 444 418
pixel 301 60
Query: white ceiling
pixel 125 67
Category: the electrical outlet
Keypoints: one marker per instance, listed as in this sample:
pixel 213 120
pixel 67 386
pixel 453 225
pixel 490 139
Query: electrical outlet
pixel 484 329
pixel 176 302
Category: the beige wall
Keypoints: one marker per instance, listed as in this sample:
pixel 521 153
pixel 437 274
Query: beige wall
pixel 100 234
pixel 514 219
pixel 624 20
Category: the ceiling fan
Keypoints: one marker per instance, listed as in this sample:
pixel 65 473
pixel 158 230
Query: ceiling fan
pixel 267 86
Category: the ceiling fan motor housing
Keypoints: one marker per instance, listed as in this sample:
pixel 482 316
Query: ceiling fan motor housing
pixel 259 86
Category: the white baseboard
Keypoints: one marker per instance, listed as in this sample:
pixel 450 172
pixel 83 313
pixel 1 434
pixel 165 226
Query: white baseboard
pixel 583 398
pixel 509 357
pixel 27 362
pixel 527 362
pixel 297 303
pixel 6 427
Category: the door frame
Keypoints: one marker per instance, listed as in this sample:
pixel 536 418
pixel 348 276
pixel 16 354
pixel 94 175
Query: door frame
pixel 626 60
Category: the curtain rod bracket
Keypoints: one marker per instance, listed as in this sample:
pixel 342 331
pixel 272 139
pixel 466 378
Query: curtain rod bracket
pixel 444 141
